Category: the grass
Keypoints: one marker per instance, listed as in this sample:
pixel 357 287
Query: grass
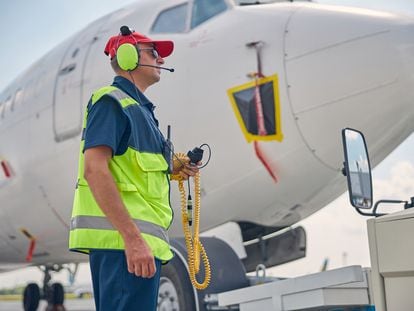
pixel 10 297
pixel 19 297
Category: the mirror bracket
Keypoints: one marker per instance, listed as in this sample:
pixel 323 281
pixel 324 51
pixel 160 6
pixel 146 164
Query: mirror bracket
pixel 409 204
pixel 344 170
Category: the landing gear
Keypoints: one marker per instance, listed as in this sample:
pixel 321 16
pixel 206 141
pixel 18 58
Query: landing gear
pixel 55 297
pixel 176 292
pixel 54 294
pixel 31 297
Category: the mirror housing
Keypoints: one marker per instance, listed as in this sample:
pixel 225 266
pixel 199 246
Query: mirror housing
pixel 357 169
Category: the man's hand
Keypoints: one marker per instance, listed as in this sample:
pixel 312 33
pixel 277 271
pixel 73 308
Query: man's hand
pixel 184 168
pixel 139 257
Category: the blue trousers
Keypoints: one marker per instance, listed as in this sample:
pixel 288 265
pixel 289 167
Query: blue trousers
pixel 115 289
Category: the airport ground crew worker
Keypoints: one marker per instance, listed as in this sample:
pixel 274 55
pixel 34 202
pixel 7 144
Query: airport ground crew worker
pixel 121 209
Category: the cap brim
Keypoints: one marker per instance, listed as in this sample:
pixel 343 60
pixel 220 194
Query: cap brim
pixel 164 48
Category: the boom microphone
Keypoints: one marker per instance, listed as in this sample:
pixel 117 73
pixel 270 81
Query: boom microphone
pixel 165 68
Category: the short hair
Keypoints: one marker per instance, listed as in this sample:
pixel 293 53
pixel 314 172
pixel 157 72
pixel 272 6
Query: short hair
pixel 115 65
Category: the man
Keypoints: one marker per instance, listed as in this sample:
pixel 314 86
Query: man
pixel 121 207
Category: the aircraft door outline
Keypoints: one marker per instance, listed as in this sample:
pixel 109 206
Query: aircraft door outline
pixel 67 97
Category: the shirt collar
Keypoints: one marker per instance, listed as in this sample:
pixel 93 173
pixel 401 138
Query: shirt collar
pixel 128 87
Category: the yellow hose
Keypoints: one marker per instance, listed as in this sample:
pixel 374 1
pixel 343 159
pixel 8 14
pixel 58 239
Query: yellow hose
pixel 192 241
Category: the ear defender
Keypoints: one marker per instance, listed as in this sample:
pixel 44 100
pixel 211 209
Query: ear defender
pixel 127 57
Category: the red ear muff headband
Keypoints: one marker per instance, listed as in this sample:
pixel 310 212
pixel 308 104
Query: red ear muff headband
pixel 164 47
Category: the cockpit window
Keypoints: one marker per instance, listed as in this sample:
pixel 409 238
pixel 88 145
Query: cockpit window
pixel 204 10
pixel 7 105
pixel 172 20
pixel 17 99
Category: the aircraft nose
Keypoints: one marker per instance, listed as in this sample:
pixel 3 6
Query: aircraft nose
pixel 350 68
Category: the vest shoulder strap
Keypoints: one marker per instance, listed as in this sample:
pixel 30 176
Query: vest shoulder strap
pixel 101 92
pixel 120 96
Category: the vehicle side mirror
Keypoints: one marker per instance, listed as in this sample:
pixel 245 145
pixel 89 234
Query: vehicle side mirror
pixel 357 169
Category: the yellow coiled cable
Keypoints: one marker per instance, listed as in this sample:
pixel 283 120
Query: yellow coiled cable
pixel 192 241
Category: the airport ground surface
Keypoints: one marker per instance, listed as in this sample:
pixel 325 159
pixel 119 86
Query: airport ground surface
pixel 70 304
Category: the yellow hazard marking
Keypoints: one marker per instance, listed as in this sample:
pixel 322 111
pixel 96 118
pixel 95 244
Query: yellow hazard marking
pixel 278 129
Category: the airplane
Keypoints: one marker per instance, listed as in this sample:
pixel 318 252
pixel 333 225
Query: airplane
pixel 267 86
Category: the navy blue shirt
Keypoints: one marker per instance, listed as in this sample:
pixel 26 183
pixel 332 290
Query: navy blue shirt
pixel 107 125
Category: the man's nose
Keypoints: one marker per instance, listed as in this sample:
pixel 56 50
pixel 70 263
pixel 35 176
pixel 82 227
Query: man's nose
pixel 160 60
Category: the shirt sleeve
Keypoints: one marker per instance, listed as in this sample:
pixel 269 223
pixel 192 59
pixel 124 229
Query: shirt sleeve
pixel 107 125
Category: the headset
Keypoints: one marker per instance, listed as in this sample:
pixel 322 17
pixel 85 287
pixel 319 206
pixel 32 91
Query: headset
pixel 127 54
pixel 127 57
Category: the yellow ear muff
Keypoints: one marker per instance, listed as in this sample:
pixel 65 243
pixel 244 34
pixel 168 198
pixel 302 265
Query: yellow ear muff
pixel 127 57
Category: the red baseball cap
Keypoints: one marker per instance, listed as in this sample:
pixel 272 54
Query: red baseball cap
pixel 163 47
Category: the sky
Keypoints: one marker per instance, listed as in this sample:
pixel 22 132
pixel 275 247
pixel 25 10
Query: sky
pixel 29 29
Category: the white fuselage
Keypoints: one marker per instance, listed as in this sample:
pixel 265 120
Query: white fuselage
pixel 336 68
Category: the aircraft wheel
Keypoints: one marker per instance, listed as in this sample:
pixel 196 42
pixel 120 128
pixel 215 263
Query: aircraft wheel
pixel 31 297
pixel 56 295
pixel 175 291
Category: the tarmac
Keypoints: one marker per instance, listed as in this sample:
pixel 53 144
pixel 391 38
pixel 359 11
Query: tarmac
pixel 70 305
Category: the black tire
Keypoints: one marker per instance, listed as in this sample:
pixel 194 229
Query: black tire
pixel 228 273
pixel 176 292
pixel 31 297
pixel 56 294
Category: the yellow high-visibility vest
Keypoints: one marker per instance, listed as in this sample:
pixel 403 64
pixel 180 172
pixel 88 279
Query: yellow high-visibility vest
pixel 142 179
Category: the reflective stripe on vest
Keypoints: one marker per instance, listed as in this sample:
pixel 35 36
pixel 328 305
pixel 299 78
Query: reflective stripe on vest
pixel 124 99
pixel 96 222
pixel 143 186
